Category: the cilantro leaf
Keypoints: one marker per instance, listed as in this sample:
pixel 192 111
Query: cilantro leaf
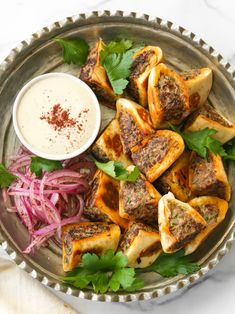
pixel 115 47
pixel 75 50
pixel 170 265
pixel 39 164
pixel 117 66
pixel 201 141
pixel 116 170
pixel 107 272
pixel 230 149
pixel 6 178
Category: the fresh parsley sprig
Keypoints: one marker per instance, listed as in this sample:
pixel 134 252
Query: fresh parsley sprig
pixel 107 272
pixel 201 141
pixel 170 265
pixel 39 164
pixel 116 170
pixel 230 149
pixel 6 178
pixel 75 50
pixel 116 58
pixel 110 271
pixel 115 47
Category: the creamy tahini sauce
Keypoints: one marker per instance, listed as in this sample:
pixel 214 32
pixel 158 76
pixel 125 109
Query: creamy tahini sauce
pixel 65 98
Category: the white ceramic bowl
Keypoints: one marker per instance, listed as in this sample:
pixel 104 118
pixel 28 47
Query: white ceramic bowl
pixel 85 89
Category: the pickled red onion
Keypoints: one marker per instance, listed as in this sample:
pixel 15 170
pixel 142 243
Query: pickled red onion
pixel 47 203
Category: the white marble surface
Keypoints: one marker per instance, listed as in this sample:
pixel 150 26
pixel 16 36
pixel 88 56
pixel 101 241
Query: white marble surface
pixel 214 21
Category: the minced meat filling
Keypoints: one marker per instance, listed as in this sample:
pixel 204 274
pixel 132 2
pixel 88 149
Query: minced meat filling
pixel 130 133
pixel 137 201
pixel 209 112
pixel 203 172
pixel 131 233
pixel 209 212
pixel 203 177
pixel 87 231
pixel 182 226
pixel 94 214
pixel 140 63
pixel 191 74
pixel 171 98
pixel 88 68
pixel 153 152
pixel 68 245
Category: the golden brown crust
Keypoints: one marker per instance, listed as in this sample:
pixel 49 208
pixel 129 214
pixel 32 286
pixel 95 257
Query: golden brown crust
pixel 178 222
pixel 213 210
pixel 208 177
pixel 84 237
pixel 134 122
pixel 168 97
pixel 208 117
pixel 109 145
pixel 157 152
pixel 102 200
pixel 143 61
pixel 139 200
pixel 199 82
pixel 141 244
pixel 175 179
pixel 94 74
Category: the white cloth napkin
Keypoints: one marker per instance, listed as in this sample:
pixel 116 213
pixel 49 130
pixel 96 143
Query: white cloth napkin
pixel 21 294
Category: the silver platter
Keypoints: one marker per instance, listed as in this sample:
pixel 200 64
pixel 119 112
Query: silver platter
pixel 39 54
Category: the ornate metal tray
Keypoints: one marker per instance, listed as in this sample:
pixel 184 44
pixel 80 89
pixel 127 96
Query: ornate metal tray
pixel 39 54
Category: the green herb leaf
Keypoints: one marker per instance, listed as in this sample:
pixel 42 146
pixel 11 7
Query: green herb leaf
pixel 75 50
pixel 137 284
pixel 117 66
pixel 100 282
pixel 116 170
pixel 39 164
pixel 201 141
pixel 115 47
pixel 215 147
pixel 123 277
pixel 81 282
pixel 230 149
pixel 116 58
pixel 108 271
pixel 6 178
pixel 170 265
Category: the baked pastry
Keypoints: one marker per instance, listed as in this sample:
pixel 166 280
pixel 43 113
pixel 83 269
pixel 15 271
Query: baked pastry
pixel 141 244
pixel 175 179
pixel 139 200
pixel 143 61
pixel 134 122
pixel 168 97
pixel 208 117
pixel 102 200
pixel 199 82
pixel 109 145
pixel 179 223
pixel 213 210
pixel 94 75
pixel 84 237
pixel 157 152
pixel 208 177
